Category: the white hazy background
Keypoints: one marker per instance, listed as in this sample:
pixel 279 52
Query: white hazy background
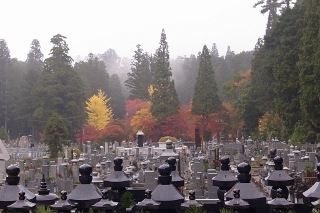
pixel 97 25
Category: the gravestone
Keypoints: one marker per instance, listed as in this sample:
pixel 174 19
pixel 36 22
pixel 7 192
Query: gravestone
pixel 53 171
pixel 45 170
pixel 212 190
pixel 150 180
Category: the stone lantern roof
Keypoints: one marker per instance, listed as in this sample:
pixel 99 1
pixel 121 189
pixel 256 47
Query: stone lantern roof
pixel 237 202
pixel 62 205
pixel 165 192
pixel 191 202
pixel 313 193
pixel 148 202
pixel 225 180
pixel 85 194
pixel 248 191
pixel 118 178
pixel 22 205
pixel 10 193
pixel 279 177
pixel 104 203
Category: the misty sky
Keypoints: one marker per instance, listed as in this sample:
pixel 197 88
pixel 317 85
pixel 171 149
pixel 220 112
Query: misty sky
pixel 94 26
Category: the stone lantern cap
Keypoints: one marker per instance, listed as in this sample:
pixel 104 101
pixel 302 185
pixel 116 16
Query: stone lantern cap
pixel 280 202
pixel 85 194
pixel 105 203
pixel 177 180
pixel 279 177
pixel 237 202
pixel 148 202
pixel 22 204
pixel 118 178
pixel 62 204
pixel 224 179
pixel 10 193
pixel 248 191
pixel 191 202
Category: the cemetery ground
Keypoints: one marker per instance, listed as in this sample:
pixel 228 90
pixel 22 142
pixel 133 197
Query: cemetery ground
pixel 161 177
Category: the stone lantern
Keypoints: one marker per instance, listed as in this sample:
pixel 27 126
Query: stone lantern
pixel 279 179
pixel 177 180
pixel 191 202
pixel 117 180
pixel 63 205
pixel 85 194
pixel 105 204
pixel 44 197
pixel 22 205
pixel 237 203
pixel 148 203
pixel 279 203
pixel 248 191
pixel 10 193
pixel 225 180
pixel 165 192
pixel 168 152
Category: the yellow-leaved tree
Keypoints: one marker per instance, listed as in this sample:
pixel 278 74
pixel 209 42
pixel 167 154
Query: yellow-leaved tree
pixel 143 120
pixel 98 110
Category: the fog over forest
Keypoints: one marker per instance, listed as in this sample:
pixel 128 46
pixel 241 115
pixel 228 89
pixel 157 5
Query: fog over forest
pixel 184 68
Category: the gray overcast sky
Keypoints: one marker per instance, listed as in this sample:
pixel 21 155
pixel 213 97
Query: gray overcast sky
pixel 94 26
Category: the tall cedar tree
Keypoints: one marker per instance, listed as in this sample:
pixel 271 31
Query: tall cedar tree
pixel 4 69
pixel 287 34
pixel 164 97
pixel 35 67
pixel 140 78
pixel 309 67
pixel 55 134
pixel 35 56
pixel 206 100
pixel 59 89
pixel 93 74
pixel 117 102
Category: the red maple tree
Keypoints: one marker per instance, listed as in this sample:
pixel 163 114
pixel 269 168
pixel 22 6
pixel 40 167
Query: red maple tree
pixel 87 133
pixel 112 132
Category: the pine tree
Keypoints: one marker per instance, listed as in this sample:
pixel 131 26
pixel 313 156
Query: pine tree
pixel 140 78
pixel 164 97
pixel 206 100
pixel 98 111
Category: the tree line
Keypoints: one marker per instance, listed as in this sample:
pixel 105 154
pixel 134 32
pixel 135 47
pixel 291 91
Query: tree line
pixel 37 93
pixel 280 95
